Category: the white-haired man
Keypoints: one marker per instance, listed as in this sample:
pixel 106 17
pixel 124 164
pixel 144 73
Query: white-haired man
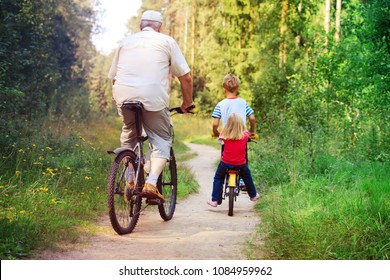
pixel 140 72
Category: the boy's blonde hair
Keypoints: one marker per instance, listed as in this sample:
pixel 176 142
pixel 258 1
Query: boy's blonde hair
pixel 231 83
pixel 234 128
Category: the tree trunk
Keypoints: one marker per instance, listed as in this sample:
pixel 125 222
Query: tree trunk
pixel 193 35
pixel 327 19
pixel 185 32
pixel 338 20
pixel 283 29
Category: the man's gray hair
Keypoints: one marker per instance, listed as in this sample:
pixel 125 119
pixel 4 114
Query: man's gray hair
pixel 150 23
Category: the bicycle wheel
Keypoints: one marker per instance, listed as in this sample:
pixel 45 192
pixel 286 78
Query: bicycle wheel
pixel 124 203
pixel 167 186
pixel 231 201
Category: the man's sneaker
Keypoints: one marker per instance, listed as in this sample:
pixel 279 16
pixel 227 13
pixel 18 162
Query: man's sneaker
pixel 255 198
pixel 151 191
pixel 212 203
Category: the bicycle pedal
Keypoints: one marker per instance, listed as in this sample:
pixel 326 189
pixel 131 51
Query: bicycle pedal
pixel 153 201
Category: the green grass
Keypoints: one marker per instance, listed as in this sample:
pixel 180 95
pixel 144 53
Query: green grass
pixel 190 128
pixel 53 184
pixel 341 214
pixel 50 185
pixel 53 188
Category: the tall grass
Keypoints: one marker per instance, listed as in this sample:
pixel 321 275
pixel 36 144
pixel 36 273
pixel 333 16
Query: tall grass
pixel 341 213
pixel 50 185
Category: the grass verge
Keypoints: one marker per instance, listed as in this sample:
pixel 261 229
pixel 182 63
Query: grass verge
pixel 53 184
pixel 341 213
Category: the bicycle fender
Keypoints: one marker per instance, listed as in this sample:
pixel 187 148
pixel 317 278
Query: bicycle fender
pixel 119 150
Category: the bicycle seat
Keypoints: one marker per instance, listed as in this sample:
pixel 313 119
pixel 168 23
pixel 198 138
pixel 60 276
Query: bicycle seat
pixel 133 105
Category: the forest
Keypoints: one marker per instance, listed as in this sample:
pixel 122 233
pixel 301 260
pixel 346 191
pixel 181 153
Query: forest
pixel 316 73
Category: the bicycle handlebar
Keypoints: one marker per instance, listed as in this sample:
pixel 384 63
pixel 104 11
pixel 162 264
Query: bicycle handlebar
pixel 252 138
pixel 178 110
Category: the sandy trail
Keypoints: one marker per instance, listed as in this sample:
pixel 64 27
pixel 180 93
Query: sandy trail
pixel 196 232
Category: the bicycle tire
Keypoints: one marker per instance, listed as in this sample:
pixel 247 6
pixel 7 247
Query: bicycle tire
pixel 231 201
pixel 167 186
pixel 124 209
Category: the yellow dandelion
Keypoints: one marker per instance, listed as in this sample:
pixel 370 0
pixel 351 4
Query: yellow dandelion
pixel 82 193
pixel 49 149
pixel 20 150
pixel 6 194
pixel 43 189
pixel 76 145
pixel 22 212
pixel 17 172
pixel 1 187
pixel 87 178
pixel 53 200
pixel 37 163
pixel 7 208
pixel 41 158
pixel 34 145
pixel 50 171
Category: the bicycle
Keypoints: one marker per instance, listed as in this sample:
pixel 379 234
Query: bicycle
pixel 124 199
pixel 233 183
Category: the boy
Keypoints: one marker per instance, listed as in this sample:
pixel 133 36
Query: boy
pixel 232 104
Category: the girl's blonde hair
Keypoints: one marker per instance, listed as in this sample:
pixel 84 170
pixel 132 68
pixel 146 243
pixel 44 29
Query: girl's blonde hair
pixel 231 83
pixel 234 128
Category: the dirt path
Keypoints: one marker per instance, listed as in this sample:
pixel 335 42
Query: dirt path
pixel 196 232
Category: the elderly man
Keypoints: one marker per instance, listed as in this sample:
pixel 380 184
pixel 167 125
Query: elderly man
pixel 140 72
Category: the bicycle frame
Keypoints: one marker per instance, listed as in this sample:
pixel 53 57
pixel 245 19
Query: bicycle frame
pixel 125 198
pixel 232 188
pixel 136 107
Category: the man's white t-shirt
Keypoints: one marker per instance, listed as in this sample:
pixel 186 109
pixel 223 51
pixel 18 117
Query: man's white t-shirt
pixel 141 68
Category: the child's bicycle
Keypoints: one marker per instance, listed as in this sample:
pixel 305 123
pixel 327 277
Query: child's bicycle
pixel 233 184
pixel 124 199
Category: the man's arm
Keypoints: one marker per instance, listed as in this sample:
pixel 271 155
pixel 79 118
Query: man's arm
pixel 186 90
pixel 113 68
pixel 252 123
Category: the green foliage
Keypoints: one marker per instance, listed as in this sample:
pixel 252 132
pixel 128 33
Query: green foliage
pixel 44 59
pixel 322 110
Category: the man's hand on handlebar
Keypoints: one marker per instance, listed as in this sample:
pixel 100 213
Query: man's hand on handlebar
pixel 187 109
pixel 181 110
